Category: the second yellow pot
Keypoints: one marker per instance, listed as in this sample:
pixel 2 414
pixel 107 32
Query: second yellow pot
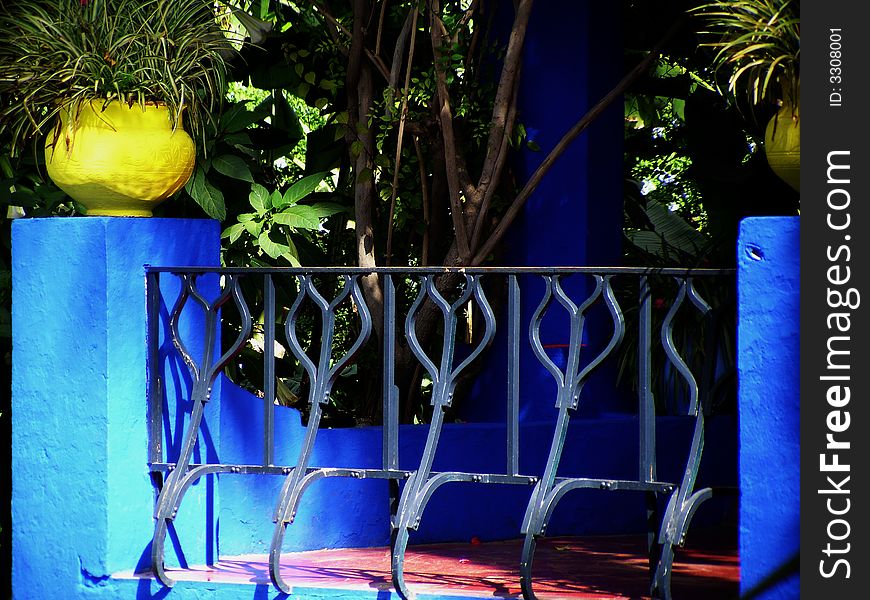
pixel 782 145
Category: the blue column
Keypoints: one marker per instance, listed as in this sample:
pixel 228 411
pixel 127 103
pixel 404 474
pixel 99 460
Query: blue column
pixel 82 495
pixel 572 57
pixel 768 258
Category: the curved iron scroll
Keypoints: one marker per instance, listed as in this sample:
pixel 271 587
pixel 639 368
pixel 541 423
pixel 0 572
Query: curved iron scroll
pixel 547 492
pixel 684 501
pixel 322 377
pixel 182 476
pixel 421 484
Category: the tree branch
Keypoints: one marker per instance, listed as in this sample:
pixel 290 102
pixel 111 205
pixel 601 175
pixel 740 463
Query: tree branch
pixel 565 142
pixel 376 60
pixel 402 116
pixel 463 20
pixel 446 118
pixel 359 100
pixel 424 189
pixel 398 53
pixel 500 124
pixel 380 27
pixel 501 158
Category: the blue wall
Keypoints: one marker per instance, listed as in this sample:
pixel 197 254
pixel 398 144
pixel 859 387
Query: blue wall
pixel 768 334
pixel 82 498
pixel 346 512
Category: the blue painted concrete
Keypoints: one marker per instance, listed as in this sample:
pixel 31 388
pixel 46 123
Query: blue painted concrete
pixel 346 512
pixel 768 335
pixel 82 497
pixel 570 61
pixel 574 217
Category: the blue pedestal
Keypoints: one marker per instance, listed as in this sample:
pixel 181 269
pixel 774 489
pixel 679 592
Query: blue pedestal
pixel 82 496
pixel 769 401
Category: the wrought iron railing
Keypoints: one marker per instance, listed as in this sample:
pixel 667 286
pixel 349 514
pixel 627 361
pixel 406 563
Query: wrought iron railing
pixel 450 294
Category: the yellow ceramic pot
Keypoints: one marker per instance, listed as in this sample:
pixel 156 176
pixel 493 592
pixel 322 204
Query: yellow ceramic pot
pixel 119 160
pixel 782 145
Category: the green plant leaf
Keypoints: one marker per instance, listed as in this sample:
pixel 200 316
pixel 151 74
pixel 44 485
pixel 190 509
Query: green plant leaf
pixel 356 148
pixel 259 198
pixel 326 209
pixel 648 241
pixel 273 75
pixel 270 247
pixel 232 166
pixel 239 118
pixel 674 230
pixel 285 120
pixel 62 53
pixel 210 199
pixel 292 254
pixel 233 232
pixel 24 197
pixel 298 217
pixel 237 139
pixel 300 189
pixel 680 108
pixel 253 227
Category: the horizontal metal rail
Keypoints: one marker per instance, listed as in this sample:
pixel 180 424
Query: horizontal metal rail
pixel 667 271
pixel 452 298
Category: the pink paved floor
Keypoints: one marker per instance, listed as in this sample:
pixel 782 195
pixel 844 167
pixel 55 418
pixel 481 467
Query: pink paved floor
pixel 565 568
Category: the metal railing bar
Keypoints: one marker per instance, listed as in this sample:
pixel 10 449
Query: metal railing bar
pixel 646 400
pixel 391 392
pixel 646 421
pixel 664 271
pixel 155 399
pixel 268 370
pixel 615 340
pixel 513 411
pixel 362 473
pixel 671 351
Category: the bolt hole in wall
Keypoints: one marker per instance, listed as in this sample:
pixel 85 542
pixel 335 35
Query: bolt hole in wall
pixel 754 252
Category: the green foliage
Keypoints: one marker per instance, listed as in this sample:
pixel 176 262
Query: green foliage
pixel 669 238
pixel 758 42
pixel 55 53
pixel 240 150
pixel 277 217
pixel 666 216
pixel 24 190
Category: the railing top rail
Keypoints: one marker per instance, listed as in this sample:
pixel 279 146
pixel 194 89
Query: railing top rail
pixel 667 271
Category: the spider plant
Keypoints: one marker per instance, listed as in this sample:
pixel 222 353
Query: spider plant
pixel 60 54
pixel 758 41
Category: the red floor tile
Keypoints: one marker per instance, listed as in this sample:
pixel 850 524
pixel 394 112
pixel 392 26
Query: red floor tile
pixel 564 568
